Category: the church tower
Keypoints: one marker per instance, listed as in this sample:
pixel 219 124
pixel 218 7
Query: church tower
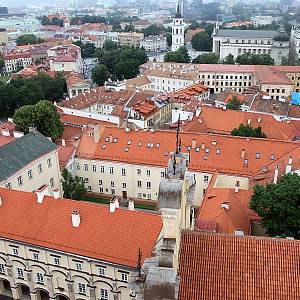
pixel 177 29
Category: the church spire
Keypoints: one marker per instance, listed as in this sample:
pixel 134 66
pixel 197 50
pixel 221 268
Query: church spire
pixel 178 10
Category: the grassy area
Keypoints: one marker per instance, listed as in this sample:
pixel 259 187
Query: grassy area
pixel 106 201
pixel 4 78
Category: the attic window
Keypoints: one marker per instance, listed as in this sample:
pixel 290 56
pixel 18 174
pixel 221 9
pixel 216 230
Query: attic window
pixel 126 149
pixel 197 149
pixel 218 151
pixel 207 150
pixel 129 142
pixel 166 153
pixel 157 145
pixel 246 162
pixel 139 144
pixel 115 140
pixel 257 155
pixel 188 148
pixel 107 139
pixel 205 157
pixel 104 146
pixel 272 157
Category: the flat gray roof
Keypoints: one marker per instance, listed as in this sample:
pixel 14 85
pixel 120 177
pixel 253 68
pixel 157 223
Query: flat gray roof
pixel 246 34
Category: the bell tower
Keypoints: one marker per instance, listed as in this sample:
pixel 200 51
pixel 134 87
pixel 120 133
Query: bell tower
pixel 177 29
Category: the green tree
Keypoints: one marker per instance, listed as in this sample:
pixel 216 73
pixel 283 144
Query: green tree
pixel 229 60
pixel 73 187
pixel 206 58
pixel 129 27
pixel 248 131
pixel 87 49
pixel 43 116
pixel 202 41
pixel 278 205
pixel 194 25
pixel 168 35
pixel 254 59
pixel 2 65
pixel 100 74
pixel 180 56
pixel 152 30
pixel 127 69
pixel 234 103
pixel 30 39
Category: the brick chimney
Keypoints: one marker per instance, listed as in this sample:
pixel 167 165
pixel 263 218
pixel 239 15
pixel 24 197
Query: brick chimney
pixel 56 193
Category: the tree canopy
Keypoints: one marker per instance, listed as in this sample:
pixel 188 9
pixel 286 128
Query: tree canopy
pixel 24 91
pixel 254 59
pixel 30 39
pixel 153 30
pixel 234 103
pixel 73 187
pixel 248 131
pixel 229 60
pixel 121 62
pixel 202 41
pixel 54 21
pixel 180 56
pixel 87 49
pixel 278 205
pixel 206 58
pixel 43 116
pixel 100 74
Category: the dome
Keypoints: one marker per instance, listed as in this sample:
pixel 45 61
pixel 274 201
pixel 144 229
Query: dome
pixel 281 36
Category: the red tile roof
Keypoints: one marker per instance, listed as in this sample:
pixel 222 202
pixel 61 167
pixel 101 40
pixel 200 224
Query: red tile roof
pixel 214 266
pixel 217 120
pixel 79 121
pixel 65 154
pixel 112 237
pixel 228 159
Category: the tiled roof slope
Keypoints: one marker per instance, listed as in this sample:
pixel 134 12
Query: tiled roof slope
pixel 216 266
pixel 154 148
pixel 22 151
pixel 112 237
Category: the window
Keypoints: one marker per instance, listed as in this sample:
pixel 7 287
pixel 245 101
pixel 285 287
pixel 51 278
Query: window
pixel 140 195
pixel 8 185
pixel 139 183
pixel 111 170
pixel 123 172
pixel 49 163
pixel 104 294
pixel 124 276
pixel 112 183
pixel 52 182
pixel 101 190
pixel 148 185
pixel 20 181
pixel 82 288
pixel 40 169
pixel 78 266
pixel 39 278
pixel 149 196
pixel 30 174
pixel 94 168
pixel 205 178
pixel 86 167
pixel 78 167
pixel 57 261
pixel 15 251
pixel 139 172
pixel 124 185
pixel 204 192
pixel 101 271
pixel 100 182
pixel 162 174
pixel 102 169
pixel 20 273
pixel 2 269
pixel 112 191
pixel 148 172
pixel 35 256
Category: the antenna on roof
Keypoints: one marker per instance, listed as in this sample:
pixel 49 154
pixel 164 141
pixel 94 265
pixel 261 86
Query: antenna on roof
pixel 139 263
pixel 177 137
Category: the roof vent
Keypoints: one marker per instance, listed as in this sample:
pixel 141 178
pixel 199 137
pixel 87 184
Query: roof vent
pixel 218 151
pixel 214 142
pixel 157 145
pixel 129 142
pixel 127 129
pixel 257 155
pixel 272 157
pixel 75 218
pixel 115 140
pixel 264 169
pixel 140 144
pixel 225 205
pixel 246 162
pixel 193 143
pixel 103 146
pixel 197 149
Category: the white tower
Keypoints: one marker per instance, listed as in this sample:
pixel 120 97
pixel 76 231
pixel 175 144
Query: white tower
pixel 177 30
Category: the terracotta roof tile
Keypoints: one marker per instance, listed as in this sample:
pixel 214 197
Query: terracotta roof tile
pixel 214 266
pixel 101 234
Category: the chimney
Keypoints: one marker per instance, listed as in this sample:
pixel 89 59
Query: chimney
pixel 288 167
pixel 56 193
pixel 5 132
pixel 41 192
pixel 96 134
pixel 32 129
pixel 276 174
pixel 131 205
pixel 225 205
pixel 75 218
pixel 113 204
pixel 63 142
pixel 243 153
pixel 193 144
pixel 18 134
